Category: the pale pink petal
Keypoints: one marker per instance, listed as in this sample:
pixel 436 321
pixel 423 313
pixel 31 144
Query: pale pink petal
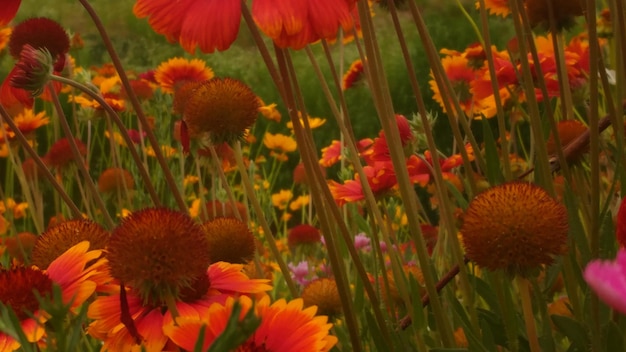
pixel 608 280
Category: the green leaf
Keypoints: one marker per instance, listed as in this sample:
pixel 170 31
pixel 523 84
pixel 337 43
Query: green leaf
pixel 492 157
pixel 613 337
pixel 573 330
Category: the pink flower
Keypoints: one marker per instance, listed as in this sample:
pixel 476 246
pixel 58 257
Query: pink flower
pixel 608 280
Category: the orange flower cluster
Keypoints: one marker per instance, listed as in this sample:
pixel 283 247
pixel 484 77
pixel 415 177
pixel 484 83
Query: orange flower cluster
pixel 379 170
pixel 470 78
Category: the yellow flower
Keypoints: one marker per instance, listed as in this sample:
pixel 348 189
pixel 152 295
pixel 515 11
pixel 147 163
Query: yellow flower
pixel 282 198
pixel 190 180
pixel 5 34
pixel 194 211
pixel 280 142
pixel 176 71
pixel 269 111
pixel 168 151
pixel 299 202
pixel 314 122
pixel 27 122
pixel 117 137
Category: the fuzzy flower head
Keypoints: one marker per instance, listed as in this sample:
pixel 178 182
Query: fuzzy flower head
pixel 515 227
pixel 563 11
pixel 41 33
pixel 323 294
pixel 158 252
pixel 222 108
pixel 608 280
pixel 230 240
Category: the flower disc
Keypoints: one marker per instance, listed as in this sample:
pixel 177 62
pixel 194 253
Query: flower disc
pixel 222 107
pixel 59 238
pixel 230 240
pixel 158 252
pixel 515 226
pixel 18 286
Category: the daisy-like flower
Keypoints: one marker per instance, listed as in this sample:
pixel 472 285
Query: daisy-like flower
pixel 230 240
pixel 285 326
pixel 281 199
pixel 608 280
pixel 323 294
pixel 19 286
pixel 62 236
pixel 221 108
pixel 27 122
pixel 460 75
pixel 314 122
pixel 303 234
pixel 270 111
pixel 516 227
pixel 161 258
pixel 60 155
pixel 496 7
pixel 175 72
pixel 279 145
pixel 354 75
pixel 205 24
pixel 296 23
pixel 113 179
pixel 39 33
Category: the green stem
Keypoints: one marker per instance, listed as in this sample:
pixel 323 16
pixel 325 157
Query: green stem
pixel 524 288
pixel 271 240
pixel 136 106
pixel 76 213
pixel 78 159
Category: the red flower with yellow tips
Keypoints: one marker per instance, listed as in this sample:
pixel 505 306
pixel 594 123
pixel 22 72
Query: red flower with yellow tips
pixel 285 326
pixel 18 286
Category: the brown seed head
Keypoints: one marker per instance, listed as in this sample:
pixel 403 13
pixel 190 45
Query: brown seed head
pixel 230 240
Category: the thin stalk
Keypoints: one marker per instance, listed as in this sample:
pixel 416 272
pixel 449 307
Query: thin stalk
pixel 594 152
pixel 541 154
pixel 76 213
pixel 523 289
pixel 502 130
pixel 271 240
pixel 173 188
pixel 380 92
pixel 436 171
pixel 293 99
pixel 226 185
pixel 145 176
pixel 80 163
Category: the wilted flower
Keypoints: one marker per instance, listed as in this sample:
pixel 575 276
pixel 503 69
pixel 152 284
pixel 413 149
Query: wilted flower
pixel 33 70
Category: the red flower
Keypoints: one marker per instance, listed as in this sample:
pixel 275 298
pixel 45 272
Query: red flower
pixel 8 10
pixel 621 224
pixel 296 23
pixel 208 24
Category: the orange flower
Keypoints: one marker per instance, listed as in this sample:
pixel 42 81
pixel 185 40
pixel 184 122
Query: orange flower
pixel 353 75
pixel 115 179
pixel 173 73
pixel 282 198
pixel 222 281
pixel 27 122
pixel 285 326
pixel 19 287
pixel 496 7
pixel 269 111
pixel 206 24
pixel 280 145
pixel 5 34
pixel 460 75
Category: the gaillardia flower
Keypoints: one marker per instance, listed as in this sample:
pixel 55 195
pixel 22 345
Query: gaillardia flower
pixel 19 287
pixel 175 72
pixel 33 70
pixel 323 294
pixel 8 11
pixel 285 326
pixel 230 240
pixel 206 24
pixel 514 227
pixel 59 238
pixel 223 108
pixel 158 253
pixel 160 269
pixel 115 178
